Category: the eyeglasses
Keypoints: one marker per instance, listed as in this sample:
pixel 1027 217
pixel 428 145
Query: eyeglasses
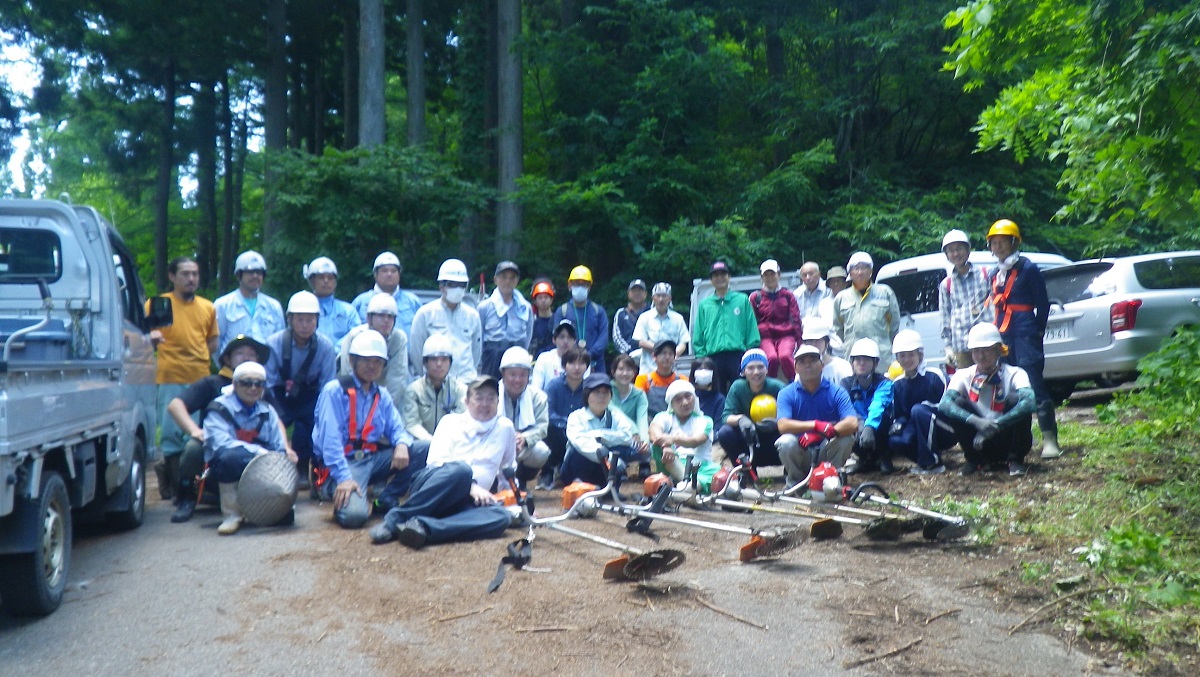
pixel 252 383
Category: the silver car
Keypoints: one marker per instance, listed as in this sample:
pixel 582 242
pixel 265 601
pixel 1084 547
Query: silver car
pixel 1107 314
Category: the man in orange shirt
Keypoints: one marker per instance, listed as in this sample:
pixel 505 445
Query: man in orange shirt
pixel 655 383
pixel 185 351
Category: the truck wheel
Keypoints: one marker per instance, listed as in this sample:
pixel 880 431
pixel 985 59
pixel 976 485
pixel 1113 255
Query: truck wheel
pixel 33 584
pixel 135 487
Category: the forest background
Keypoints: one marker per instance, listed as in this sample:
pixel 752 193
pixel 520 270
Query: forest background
pixel 639 137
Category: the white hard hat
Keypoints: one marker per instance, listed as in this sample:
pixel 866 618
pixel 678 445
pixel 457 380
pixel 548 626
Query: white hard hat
pixel 865 347
pixel 386 259
pixel 249 260
pixel 370 343
pixel 515 356
pixel 382 304
pixel 860 258
pixel 907 340
pixel 452 270
pixel 953 236
pixel 322 265
pixel 983 335
pixel 679 387
pixel 249 370
pixel 438 345
pixel 815 328
pixel 304 302
pixel 805 349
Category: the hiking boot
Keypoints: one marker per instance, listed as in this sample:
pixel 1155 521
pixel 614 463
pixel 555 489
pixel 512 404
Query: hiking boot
pixel 546 480
pixel 184 508
pixel 886 467
pixel 1017 469
pixel 857 465
pixel 381 533
pixel 969 469
pixel 932 470
pixel 413 534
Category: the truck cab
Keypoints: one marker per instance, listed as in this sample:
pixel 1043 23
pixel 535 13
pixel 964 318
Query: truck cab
pixel 77 391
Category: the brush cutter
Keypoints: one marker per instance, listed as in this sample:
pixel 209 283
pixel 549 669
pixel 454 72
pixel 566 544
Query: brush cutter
pixel 936 526
pixel 584 501
pixel 765 542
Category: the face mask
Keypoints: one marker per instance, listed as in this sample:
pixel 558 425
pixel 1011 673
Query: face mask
pixel 579 294
pixel 455 294
pixel 704 377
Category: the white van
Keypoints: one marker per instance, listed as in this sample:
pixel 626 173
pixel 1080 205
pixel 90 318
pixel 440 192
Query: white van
pixel 916 281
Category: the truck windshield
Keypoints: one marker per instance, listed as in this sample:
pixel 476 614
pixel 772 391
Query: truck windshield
pixel 29 254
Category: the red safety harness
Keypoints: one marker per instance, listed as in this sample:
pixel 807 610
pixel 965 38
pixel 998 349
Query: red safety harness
pixel 1004 309
pixel 358 443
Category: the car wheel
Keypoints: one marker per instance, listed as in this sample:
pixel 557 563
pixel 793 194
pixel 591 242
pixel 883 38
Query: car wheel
pixel 32 584
pixel 1060 390
pixel 132 516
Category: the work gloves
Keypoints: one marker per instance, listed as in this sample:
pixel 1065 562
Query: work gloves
pixel 950 357
pixel 825 428
pixel 987 429
pixel 866 437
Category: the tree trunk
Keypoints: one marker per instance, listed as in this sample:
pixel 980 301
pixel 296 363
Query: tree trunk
pixel 350 118
pixel 370 73
pixel 206 180
pixel 509 149
pixel 776 74
pixel 164 178
pixel 416 73
pixel 275 114
pixel 227 241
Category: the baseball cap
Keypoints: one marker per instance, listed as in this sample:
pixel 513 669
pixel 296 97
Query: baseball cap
pixel 637 282
pixel 805 349
pixel 718 267
pixel 507 265
pixel 836 271
pixel 769 264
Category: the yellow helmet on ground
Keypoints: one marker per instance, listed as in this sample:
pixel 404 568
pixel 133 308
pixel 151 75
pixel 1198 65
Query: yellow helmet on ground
pixel 1005 227
pixel 580 274
pixel 762 407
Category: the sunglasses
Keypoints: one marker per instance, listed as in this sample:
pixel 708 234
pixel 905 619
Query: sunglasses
pixel 252 383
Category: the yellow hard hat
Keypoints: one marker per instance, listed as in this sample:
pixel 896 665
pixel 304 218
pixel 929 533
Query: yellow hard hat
pixel 895 371
pixel 1005 227
pixel 580 274
pixel 762 407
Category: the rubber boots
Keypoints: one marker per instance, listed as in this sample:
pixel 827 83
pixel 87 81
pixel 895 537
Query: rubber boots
pixel 229 509
pixel 1049 426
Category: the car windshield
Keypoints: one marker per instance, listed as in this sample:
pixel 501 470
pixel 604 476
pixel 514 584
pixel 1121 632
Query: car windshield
pixel 1078 282
pixel 1173 272
pixel 917 292
pixel 27 255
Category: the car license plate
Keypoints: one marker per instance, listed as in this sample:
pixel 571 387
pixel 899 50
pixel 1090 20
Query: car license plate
pixel 1059 331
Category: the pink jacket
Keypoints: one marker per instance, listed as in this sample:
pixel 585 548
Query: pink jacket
pixel 778 314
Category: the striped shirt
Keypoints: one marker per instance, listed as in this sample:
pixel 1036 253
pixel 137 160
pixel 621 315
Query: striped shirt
pixel 963 300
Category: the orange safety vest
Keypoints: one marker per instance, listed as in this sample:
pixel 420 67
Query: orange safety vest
pixel 358 438
pixel 999 298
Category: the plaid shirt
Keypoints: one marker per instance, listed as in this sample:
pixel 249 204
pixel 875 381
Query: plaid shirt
pixel 963 300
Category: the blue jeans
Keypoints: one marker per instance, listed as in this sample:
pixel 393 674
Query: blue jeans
pixel 576 466
pixel 441 501
pixel 375 468
pixel 170 435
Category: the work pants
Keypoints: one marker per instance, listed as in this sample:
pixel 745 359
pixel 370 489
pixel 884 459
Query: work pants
pixel 779 357
pixel 1011 443
pixel 374 468
pixel 441 501
pixel 924 436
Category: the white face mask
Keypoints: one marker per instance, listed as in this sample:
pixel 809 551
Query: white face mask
pixel 579 293
pixel 704 377
pixel 455 294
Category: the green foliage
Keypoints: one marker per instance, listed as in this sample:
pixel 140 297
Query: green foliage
pixel 1167 405
pixel 352 205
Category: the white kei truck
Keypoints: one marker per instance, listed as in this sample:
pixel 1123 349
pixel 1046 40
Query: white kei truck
pixel 77 392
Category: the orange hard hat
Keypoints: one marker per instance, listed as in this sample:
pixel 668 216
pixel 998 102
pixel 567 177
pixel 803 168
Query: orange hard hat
pixel 543 288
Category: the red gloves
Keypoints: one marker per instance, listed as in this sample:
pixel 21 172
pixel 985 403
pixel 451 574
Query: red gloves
pixel 811 439
pixel 824 428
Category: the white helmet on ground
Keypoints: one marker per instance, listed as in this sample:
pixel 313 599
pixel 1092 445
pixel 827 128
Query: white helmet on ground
pixel 249 260
pixel 304 302
pixel 437 346
pixel 386 259
pixel 865 347
pixel 382 304
pixel 370 343
pixel 322 265
pixel 515 356
pixel 453 270
pixel 907 340
pixel 984 335
pixel 953 236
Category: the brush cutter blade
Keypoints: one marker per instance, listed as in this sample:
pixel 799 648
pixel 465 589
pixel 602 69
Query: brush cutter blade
pixel 940 530
pixel 650 564
pixel 780 540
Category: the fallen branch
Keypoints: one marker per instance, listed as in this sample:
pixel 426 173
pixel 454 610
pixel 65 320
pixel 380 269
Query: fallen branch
pixel 548 628
pixel 850 665
pixel 862 613
pixel 937 616
pixel 1047 605
pixel 734 616
pixel 464 615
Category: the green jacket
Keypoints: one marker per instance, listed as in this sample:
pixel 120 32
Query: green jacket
pixel 725 324
pixel 739 397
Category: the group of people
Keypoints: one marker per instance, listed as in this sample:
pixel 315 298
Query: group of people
pixel 420 412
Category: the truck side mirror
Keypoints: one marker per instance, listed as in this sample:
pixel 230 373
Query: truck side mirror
pixel 161 313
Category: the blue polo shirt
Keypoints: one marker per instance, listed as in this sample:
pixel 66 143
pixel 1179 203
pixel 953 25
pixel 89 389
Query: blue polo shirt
pixel 830 403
